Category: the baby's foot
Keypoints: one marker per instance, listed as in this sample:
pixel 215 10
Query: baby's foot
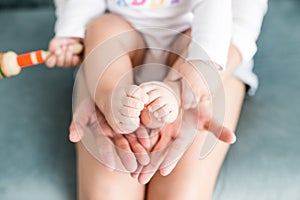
pixel 163 104
pixel 123 109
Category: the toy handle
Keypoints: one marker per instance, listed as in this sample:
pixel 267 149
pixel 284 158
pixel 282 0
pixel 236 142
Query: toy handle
pixel 40 56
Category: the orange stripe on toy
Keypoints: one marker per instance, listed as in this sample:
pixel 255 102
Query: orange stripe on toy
pixel 39 56
pixel 32 58
pixel 24 60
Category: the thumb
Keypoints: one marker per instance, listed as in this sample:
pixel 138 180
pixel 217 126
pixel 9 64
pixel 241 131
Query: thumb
pixel 81 119
pixel 221 132
pixel 211 124
pixel 75 132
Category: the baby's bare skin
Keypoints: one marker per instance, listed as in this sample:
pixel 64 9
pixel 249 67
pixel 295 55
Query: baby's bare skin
pixel 163 105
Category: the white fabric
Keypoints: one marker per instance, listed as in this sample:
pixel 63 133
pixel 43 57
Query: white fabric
pixel 247 17
pixel 210 20
pixel 247 20
pixel 245 73
pixel 74 15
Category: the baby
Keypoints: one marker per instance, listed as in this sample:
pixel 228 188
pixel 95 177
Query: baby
pixel 151 103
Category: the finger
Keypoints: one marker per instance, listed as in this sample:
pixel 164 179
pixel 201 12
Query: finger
pixel 106 151
pixel 68 57
pixel 165 171
pixel 184 135
pixel 143 137
pixel 50 62
pixel 60 48
pixel 154 138
pixel 156 158
pixel 127 157
pixel 140 153
pixel 133 103
pixel 137 172
pixel 221 132
pixel 176 151
pixel 75 132
pixel 145 175
pixel 76 60
pixel 61 59
pixel 101 124
pixel 130 112
pixel 136 92
pixel 81 119
pixel 212 125
pixel 53 46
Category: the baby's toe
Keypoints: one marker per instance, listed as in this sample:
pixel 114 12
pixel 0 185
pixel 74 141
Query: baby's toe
pixel 156 104
pixel 129 120
pixel 170 117
pixel 133 103
pixel 163 111
pixel 167 114
pixel 136 92
pixel 130 112
pixel 127 124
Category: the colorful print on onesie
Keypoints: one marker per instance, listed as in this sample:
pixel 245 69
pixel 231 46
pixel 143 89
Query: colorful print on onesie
pixel 147 3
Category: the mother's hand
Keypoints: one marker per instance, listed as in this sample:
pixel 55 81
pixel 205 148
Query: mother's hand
pixel 110 144
pixel 167 147
pixel 175 138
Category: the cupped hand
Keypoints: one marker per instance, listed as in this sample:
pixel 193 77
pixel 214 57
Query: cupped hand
pixel 166 146
pixel 175 138
pixel 111 146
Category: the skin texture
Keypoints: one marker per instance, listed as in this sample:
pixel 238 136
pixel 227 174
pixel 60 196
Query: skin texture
pixel 62 52
pixel 104 182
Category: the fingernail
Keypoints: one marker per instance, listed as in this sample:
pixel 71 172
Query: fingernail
pixel 233 139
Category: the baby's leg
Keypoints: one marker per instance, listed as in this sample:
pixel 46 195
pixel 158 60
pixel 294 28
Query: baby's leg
pixel 94 180
pixel 112 49
pixel 163 104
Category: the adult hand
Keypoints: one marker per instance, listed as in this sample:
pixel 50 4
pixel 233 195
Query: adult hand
pixel 199 80
pixel 175 138
pixel 109 144
pixel 167 146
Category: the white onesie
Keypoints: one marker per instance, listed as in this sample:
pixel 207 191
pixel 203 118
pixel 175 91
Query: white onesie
pixel 210 20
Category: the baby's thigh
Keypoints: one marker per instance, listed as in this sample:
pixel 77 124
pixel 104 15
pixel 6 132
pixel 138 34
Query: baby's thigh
pixel 179 48
pixel 97 182
pixel 112 34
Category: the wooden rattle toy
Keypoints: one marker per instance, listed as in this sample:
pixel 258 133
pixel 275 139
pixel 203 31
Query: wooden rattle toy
pixel 11 63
